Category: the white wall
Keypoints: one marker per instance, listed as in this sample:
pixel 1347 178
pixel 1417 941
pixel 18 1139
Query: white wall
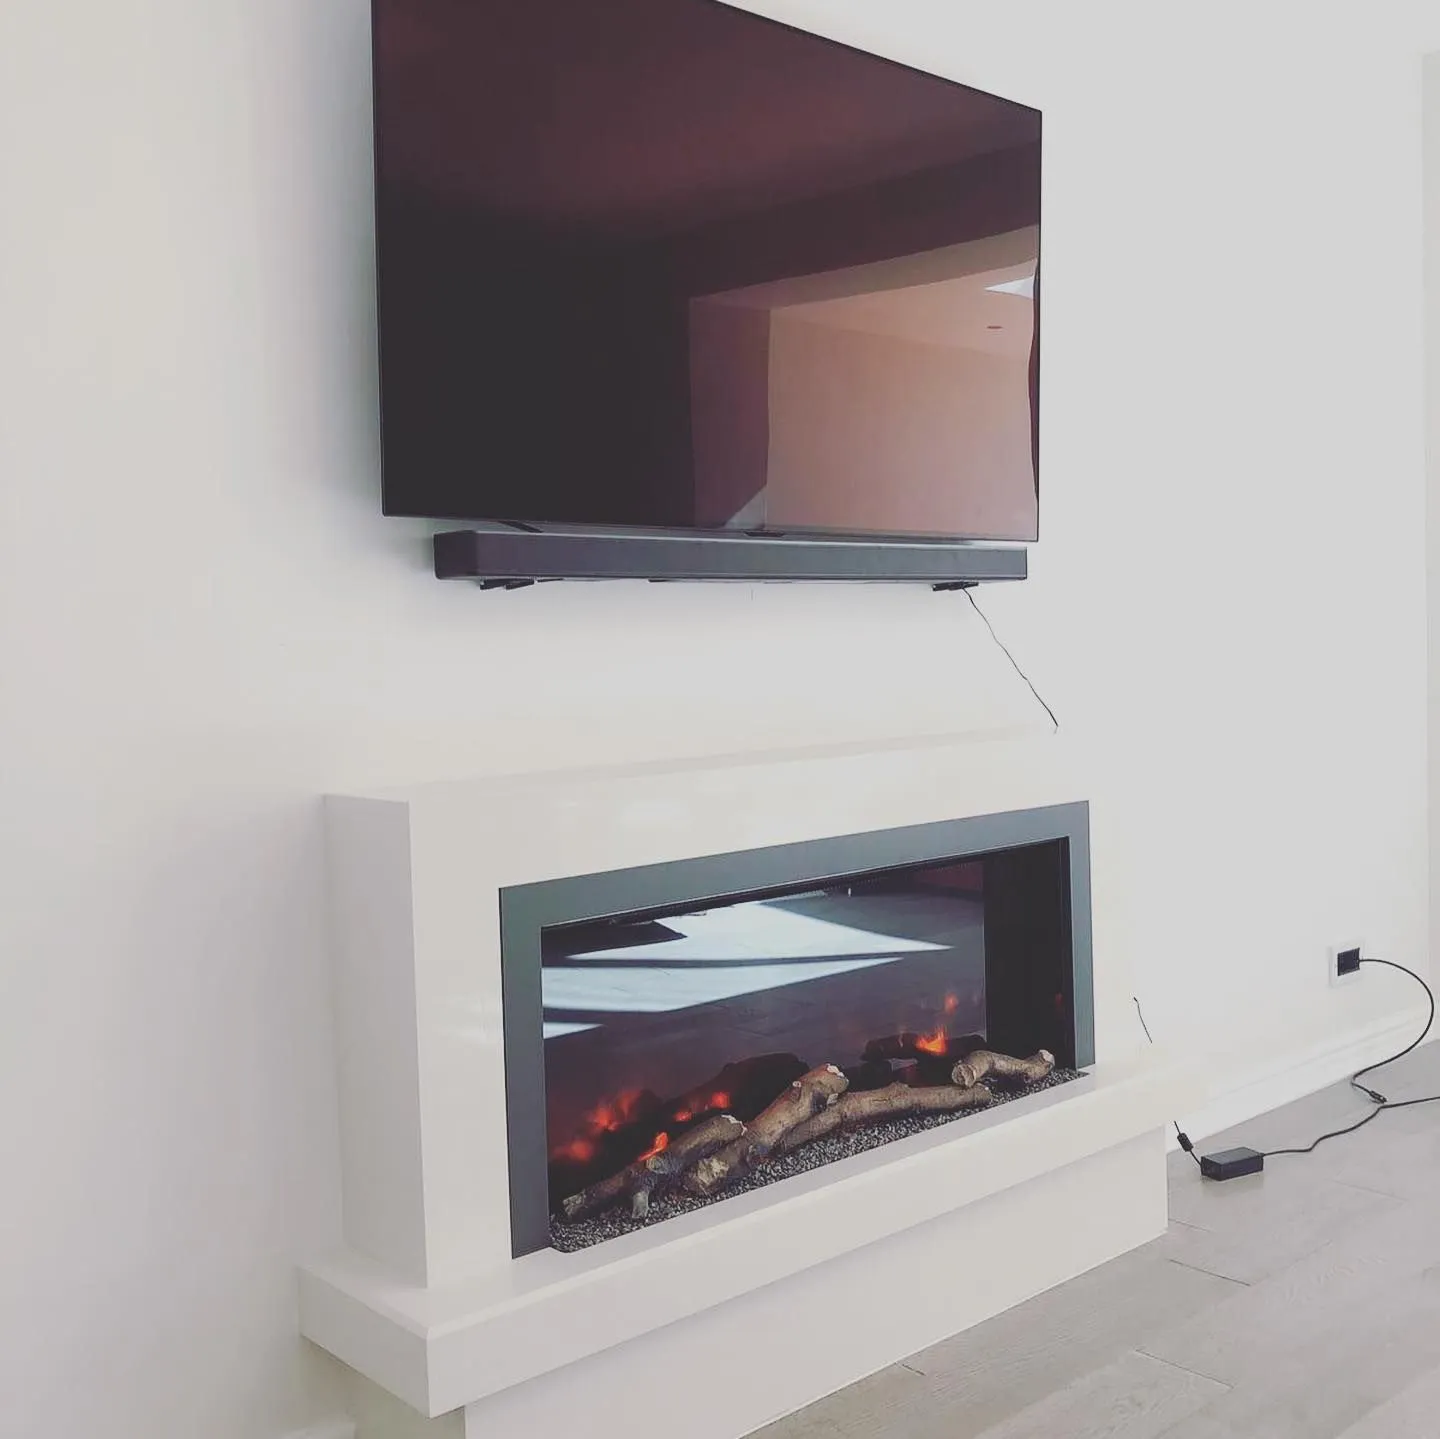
pixel 1431 144
pixel 205 622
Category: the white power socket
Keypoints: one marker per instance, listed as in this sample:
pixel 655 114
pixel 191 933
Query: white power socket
pixel 1333 955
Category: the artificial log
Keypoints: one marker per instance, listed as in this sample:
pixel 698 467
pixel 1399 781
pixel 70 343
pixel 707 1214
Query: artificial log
pixel 663 1171
pixel 910 1045
pixel 986 1064
pixel 806 1097
pixel 655 1172
pixel 896 1101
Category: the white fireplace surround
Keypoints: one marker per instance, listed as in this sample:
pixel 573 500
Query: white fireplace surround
pixel 942 1229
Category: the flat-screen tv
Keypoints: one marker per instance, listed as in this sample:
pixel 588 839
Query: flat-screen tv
pixel 668 288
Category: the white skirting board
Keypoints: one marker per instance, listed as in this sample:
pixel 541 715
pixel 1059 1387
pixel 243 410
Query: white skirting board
pixel 1302 1069
pixel 779 1348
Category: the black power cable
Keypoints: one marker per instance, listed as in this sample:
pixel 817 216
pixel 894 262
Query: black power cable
pixel 1219 1164
pixel 1186 1143
pixel 1015 664
pixel 1413 1045
pixel 1376 1098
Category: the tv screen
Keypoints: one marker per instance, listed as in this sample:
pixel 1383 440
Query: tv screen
pixel 665 264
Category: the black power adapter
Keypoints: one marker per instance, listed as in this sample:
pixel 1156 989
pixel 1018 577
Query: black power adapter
pixel 1231 1163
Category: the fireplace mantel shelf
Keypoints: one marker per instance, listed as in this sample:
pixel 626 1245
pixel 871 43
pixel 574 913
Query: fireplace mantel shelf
pixel 442 1348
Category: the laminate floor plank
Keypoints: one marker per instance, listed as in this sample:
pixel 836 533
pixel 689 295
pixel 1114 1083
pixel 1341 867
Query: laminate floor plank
pixel 1414 1413
pixel 1301 1304
pixel 999 1368
pixel 1135 1397
pixel 875 1406
pixel 1248 1229
pixel 1312 1349
pixel 989 1374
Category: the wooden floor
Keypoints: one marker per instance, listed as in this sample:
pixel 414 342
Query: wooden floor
pixel 1302 1303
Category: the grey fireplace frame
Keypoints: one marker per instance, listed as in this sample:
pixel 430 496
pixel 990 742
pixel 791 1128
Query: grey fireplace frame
pixel 527 909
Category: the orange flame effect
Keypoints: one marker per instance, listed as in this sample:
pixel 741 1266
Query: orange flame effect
pixel 662 1143
pixel 612 1114
pixel 937 1041
pixel 718 1102
pixel 607 1116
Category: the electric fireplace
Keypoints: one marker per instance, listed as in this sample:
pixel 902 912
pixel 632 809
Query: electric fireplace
pixel 540 972
pixel 680 1032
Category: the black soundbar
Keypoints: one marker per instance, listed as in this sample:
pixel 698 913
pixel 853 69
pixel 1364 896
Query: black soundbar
pixel 513 557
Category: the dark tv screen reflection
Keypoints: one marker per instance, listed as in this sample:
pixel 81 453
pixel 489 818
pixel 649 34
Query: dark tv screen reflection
pixel 664 264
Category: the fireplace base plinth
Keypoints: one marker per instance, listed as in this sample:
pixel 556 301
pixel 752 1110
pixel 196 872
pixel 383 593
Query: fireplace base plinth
pixel 1010 1181
pixel 785 1339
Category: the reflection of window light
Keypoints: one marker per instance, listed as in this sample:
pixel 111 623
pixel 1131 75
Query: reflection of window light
pixel 601 989
pixel 1024 287
pixel 740 949
pixel 554 1028
pixel 757 930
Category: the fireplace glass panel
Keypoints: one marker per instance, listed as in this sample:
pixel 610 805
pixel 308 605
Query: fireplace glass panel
pixel 654 1020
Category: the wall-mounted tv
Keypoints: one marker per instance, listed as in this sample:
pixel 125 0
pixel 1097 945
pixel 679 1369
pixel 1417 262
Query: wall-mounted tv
pixel 673 290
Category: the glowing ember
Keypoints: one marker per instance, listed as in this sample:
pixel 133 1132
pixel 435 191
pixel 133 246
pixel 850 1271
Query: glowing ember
pixel 662 1143
pixel 717 1102
pixel 605 1118
pixel 932 1043
pixel 612 1114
